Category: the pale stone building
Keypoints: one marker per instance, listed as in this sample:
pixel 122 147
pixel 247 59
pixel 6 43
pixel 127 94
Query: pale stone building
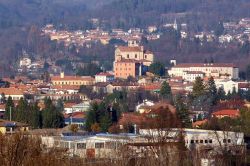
pixel 218 70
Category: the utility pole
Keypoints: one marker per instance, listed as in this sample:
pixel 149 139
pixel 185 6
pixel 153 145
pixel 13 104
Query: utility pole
pixel 10 113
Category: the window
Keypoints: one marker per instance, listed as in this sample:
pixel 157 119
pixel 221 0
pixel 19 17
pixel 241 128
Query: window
pixel 135 55
pixel 197 141
pixel 201 141
pixel 81 145
pixel 206 141
pixel 110 145
pixel 224 141
pixel 192 141
pixel 127 55
pixel 145 56
pixel 229 140
pixel 99 145
pixel 210 141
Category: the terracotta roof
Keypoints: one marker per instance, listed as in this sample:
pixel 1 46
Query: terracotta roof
pixel 129 49
pixel 227 112
pixel 71 78
pixel 151 87
pixel 244 85
pixel 184 65
pixel 199 123
pixel 66 87
pixel 11 91
pixel 75 115
pixel 133 118
pixel 69 105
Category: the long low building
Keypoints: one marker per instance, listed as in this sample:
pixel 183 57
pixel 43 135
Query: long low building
pixel 216 70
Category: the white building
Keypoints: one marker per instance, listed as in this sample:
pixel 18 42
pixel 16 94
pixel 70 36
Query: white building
pixel 192 75
pixel 141 107
pixel 221 70
pixel 25 62
pixel 196 138
pixel 227 85
pixel 104 77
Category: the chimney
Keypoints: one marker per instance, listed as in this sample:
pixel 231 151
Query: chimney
pixel 62 74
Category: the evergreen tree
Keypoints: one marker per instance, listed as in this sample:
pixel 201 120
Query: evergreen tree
pixel 234 93
pixel 229 95
pixel 9 107
pixel 157 68
pixel 22 111
pixel 165 91
pixel 35 117
pixel 198 87
pixel 51 116
pixel 105 122
pixel 182 111
pixel 221 94
pixel 91 116
pixel 212 91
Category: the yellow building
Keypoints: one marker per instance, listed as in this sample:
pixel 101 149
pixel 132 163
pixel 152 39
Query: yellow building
pixel 72 80
pixel 8 127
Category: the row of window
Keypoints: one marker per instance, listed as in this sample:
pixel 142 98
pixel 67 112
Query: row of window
pixel 210 141
pixel 97 145
pixel 145 56
pixel 124 69
pixel 70 83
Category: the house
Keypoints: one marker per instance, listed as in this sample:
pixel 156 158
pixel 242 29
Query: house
pixel 14 93
pixel 223 70
pixel 72 80
pixel 119 86
pixel 145 104
pixel 231 113
pixel 77 118
pixel 192 75
pixel 104 77
pixel 227 85
pixel 25 62
pixel 8 127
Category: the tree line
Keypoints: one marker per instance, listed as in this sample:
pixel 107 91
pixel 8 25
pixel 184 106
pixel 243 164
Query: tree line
pixel 50 116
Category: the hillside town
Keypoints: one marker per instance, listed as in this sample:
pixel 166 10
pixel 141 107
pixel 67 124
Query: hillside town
pixel 126 107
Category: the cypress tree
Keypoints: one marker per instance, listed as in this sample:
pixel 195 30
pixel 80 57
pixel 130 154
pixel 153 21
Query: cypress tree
pixel 198 87
pixel 165 91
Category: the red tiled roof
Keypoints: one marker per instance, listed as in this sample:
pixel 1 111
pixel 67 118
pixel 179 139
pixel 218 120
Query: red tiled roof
pixel 11 91
pixel 199 123
pixel 184 65
pixel 69 78
pixel 66 87
pixel 227 112
pixel 129 49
